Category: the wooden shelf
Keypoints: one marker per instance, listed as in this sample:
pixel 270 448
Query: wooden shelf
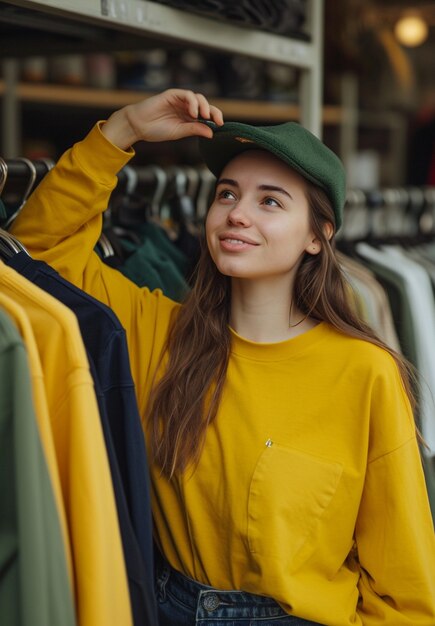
pixel 112 99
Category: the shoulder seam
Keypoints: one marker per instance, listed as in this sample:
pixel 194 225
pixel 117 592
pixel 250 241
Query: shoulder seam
pixel 391 451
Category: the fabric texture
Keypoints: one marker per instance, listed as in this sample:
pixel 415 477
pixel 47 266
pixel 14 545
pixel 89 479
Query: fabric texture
pixel 148 266
pixel 290 142
pixel 35 588
pixel 318 471
pixel 417 292
pixel 18 314
pixel 81 456
pixel 106 346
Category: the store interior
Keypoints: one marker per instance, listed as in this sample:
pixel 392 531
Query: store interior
pixel 377 92
pixel 359 74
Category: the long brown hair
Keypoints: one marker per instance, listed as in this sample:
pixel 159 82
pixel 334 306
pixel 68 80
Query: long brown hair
pixel 186 398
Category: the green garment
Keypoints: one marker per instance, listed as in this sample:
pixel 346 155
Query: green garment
pixel 149 230
pixel 149 266
pixel 34 584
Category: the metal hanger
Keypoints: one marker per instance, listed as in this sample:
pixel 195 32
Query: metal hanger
pixel 161 178
pixel 193 181
pixel 3 174
pixel 9 245
pixel 27 191
pixel 106 246
pixel 49 163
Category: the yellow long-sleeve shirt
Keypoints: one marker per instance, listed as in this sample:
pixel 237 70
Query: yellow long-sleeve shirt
pixel 310 487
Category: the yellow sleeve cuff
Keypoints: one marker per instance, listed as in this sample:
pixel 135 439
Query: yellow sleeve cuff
pixel 100 158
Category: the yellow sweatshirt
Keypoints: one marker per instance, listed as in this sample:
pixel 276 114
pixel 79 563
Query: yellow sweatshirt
pixel 310 486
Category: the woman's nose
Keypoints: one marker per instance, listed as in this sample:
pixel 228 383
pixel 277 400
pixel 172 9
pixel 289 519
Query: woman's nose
pixel 239 215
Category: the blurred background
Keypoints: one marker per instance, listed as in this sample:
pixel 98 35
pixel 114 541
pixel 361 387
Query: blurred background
pixel 376 63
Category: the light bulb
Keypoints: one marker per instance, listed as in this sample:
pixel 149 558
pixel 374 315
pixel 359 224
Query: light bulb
pixel 411 30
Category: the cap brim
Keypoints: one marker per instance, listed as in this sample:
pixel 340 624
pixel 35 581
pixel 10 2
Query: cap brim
pixel 235 138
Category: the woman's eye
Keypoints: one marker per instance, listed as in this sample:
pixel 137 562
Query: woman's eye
pixel 226 194
pixel 271 202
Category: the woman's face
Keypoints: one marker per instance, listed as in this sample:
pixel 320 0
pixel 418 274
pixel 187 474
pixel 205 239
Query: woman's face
pixel 258 224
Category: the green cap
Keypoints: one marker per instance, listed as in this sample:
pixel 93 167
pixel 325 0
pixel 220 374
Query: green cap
pixel 290 142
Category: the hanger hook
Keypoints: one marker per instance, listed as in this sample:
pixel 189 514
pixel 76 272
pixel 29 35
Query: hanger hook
pixel 33 174
pixel 3 174
pixel 49 163
pixel 132 178
pixel 162 181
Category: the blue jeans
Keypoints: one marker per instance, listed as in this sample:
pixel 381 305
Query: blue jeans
pixel 182 601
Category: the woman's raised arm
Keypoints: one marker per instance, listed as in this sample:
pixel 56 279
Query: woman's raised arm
pixel 61 221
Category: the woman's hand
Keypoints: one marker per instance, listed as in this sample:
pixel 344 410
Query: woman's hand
pixel 170 115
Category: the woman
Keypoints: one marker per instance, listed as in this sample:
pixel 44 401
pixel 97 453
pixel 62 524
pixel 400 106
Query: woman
pixel 287 481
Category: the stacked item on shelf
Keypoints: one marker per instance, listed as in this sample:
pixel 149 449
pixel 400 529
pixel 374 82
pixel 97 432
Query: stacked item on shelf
pixel 282 17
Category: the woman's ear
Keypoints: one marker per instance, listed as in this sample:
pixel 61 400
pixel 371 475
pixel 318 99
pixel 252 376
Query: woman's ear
pixel 315 245
pixel 328 230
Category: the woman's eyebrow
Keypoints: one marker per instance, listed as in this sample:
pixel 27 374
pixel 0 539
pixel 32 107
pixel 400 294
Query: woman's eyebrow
pixel 274 188
pixel 227 181
pixel 234 183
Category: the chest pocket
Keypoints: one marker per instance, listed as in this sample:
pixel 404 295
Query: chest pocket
pixel 289 493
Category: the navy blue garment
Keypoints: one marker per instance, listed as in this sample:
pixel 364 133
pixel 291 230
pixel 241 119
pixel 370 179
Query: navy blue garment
pixel 106 345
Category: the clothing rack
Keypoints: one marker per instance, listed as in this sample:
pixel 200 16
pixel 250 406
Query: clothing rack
pixel 388 212
pixel 183 191
pixel 391 211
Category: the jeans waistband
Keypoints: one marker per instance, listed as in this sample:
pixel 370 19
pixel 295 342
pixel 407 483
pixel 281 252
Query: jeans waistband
pixel 209 603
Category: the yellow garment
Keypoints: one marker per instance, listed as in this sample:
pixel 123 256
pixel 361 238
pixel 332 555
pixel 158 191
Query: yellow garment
pixel 19 316
pixel 310 486
pixel 101 590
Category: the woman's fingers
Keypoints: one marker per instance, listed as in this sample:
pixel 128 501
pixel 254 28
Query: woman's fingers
pixel 204 107
pixel 196 105
pixel 170 115
pixel 216 115
pixel 208 111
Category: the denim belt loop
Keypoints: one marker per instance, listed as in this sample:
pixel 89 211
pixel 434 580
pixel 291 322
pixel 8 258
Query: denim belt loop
pixel 162 580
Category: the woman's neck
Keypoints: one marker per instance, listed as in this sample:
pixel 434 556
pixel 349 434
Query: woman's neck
pixel 260 311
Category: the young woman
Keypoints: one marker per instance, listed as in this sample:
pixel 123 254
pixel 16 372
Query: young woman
pixel 286 475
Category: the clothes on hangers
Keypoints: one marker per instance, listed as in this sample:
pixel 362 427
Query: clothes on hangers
pixel 84 476
pixel 21 321
pixel 35 588
pixel 149 266
pixel 416 293
pixel 152 259
pixel 406 309
pixel 106 347
pixel 375 308
pixel 343 485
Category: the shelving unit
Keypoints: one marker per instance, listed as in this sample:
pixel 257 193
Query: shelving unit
pixel 137 22
pixel 112 99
